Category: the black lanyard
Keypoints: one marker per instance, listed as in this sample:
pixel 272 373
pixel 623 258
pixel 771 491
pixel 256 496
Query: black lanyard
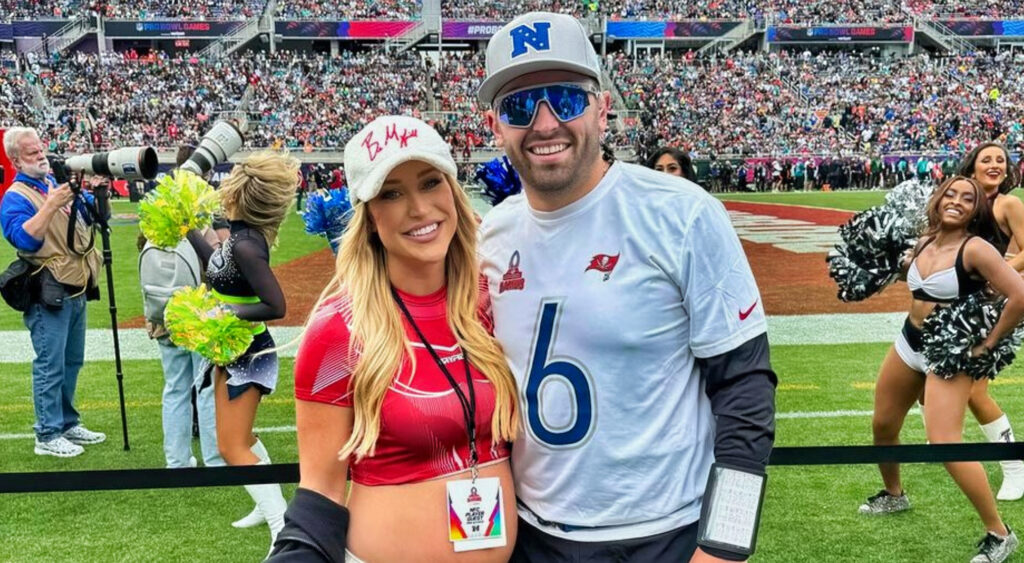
pixel 468 405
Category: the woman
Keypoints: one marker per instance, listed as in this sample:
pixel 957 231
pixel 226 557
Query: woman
pixel 672 161
pixel 256 197
pixel 951 260
pixel 424 419
pixel 990 165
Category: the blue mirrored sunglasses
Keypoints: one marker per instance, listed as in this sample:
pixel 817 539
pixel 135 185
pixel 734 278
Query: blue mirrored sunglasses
pixel 567 102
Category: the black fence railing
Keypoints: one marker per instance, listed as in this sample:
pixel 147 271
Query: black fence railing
pixel 126 479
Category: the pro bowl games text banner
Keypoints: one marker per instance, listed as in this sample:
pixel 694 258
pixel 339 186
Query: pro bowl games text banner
pixel 167 28
pixel 830 34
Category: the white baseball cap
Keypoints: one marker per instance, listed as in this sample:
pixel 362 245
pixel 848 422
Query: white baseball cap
pixel 533 42
pixel 387 142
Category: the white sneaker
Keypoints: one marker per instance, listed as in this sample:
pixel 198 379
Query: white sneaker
pixel 60 447
pixel 83 436
pixel 253 519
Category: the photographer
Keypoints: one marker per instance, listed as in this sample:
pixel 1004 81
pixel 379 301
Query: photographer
pixel 36 215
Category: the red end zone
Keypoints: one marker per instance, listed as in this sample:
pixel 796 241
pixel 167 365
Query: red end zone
pixel 786 246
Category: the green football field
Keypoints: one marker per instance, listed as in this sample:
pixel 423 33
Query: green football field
pixel 810 513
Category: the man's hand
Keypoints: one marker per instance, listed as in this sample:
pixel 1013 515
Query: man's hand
pixel 700 556
pixel 60 196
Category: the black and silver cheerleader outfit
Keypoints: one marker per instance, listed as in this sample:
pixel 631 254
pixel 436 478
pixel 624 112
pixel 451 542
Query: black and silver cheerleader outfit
pixel 238 272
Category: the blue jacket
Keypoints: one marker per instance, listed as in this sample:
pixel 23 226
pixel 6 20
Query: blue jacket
pixel 16 209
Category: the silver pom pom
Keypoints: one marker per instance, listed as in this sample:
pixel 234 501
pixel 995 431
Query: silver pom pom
pixel 951 332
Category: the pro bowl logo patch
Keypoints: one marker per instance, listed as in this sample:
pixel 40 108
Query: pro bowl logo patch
pixel 513 278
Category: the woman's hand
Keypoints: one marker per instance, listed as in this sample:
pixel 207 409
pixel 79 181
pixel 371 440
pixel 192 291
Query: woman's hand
pixel 980 350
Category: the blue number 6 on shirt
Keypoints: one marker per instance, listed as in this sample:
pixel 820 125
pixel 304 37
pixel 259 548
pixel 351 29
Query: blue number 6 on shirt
pixel 567 369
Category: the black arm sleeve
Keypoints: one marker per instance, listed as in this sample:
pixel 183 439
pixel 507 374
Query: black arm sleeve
pixel 253 261
pixel 741 386
pixel 315 530
pixel 202 248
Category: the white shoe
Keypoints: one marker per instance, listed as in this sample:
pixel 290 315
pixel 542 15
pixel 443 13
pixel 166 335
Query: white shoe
pixel 59 447
pixel 83 436
pixel 251 520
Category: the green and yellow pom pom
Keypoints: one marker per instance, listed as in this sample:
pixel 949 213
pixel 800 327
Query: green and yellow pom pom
pixel 182 201
pixel 198 322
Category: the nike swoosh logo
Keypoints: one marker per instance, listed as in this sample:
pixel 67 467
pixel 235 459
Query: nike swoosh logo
pixel 745 314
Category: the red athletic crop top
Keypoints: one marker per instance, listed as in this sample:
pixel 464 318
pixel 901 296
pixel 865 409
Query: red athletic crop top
pixel 423 432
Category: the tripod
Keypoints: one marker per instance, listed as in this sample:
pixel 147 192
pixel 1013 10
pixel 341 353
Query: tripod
pixel 99 217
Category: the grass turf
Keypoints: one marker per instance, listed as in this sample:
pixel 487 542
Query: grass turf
pixel 810 513
pixel 846 200
pixel 293 243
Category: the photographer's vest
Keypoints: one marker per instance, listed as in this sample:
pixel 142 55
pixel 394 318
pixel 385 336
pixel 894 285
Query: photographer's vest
pixel 67 267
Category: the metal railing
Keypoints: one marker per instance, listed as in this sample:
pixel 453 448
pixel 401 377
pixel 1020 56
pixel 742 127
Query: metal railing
pixel 732 39
pixel 403 42
pixel 943 35
pixel 229 43
pixel 64 37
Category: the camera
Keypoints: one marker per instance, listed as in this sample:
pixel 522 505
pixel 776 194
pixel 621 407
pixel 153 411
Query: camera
pixel 132 163
pixel 217 146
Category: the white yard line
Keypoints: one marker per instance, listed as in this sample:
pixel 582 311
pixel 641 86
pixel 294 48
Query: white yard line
pixel 780 416
pixel 782 330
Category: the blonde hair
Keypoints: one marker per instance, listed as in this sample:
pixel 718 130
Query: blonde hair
pixel 377 331
pixel 260 190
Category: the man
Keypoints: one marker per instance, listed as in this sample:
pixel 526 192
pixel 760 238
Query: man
pixel 630 319
pixel 35 214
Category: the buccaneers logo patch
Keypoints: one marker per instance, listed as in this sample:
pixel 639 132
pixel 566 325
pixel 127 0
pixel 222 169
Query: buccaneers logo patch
pixel 603 263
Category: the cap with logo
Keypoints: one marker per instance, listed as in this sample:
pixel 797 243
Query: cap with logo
pixel 387 142
pixel 534 42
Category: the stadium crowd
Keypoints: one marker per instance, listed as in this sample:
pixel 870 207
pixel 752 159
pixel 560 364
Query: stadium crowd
pixel 130 9
pixel 828 103
pixel 319 101
pixel 124 99
pixel 791 11
pixel 349 10
pixel 838 103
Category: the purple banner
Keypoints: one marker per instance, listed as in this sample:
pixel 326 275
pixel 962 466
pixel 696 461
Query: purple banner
pixel 663 29
pixel 470 29
pixel 342 29
pixel 699 29
pixel 986 28
pixel 6 32
pixel 37 28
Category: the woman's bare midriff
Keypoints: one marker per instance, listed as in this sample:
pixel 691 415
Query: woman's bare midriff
pixel 919 310
pixel 399 523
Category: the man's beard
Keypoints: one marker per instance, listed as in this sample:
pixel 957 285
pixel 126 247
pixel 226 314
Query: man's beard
pixel 37 170
pixel 561 177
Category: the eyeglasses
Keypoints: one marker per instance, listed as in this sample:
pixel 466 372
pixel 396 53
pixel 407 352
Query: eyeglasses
pixel 567 101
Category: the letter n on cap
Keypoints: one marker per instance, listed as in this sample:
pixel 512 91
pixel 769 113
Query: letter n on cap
pixel 536 37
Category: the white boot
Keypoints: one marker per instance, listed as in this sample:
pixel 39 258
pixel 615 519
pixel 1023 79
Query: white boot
pixel 254 518
pixel 999 430
pixel 271 504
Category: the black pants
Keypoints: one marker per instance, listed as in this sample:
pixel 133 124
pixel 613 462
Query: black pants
pixel 535 546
